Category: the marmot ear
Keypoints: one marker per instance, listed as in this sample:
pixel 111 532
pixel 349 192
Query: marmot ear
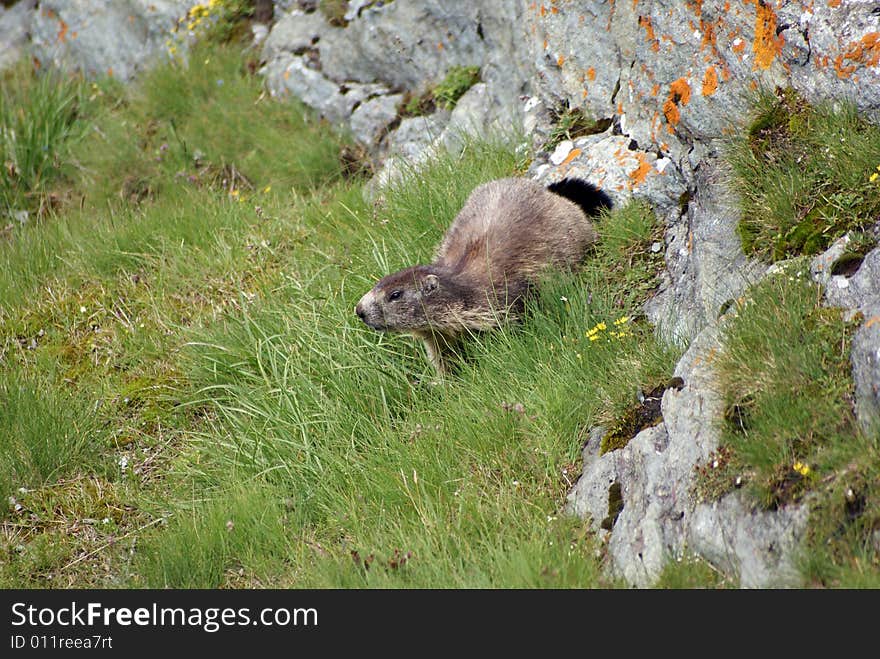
pixel 430 284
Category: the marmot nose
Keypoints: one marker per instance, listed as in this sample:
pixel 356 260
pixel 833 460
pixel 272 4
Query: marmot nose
pixel 359 310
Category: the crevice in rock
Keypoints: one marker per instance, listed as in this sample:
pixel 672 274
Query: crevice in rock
pixel 848 264
pixel 645 415
pixel 615 505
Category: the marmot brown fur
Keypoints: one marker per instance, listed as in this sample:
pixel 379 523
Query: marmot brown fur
pixel 508 233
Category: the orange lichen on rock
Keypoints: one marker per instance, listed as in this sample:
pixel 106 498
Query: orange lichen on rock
pixel 865 51
pixel 640 173
pixel 591 74
pixel 62 31
pixel 710 81
pixel 560 60
pixel 645 22
pixel 767 44
pixel 574 153
pixel 679 92
pixel 834 4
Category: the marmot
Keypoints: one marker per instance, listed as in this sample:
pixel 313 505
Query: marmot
pixel 504 238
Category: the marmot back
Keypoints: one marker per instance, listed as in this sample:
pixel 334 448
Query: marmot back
pixel 509 232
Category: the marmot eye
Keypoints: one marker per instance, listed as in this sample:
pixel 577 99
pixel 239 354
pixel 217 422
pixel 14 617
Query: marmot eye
pixel 394 295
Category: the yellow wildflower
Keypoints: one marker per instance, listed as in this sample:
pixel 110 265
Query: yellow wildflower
pixel 801 468
pixel 267 189
pixel 621 320
pixel 873 177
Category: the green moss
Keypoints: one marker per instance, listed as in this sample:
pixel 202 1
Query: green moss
pixel 645 415
pixel 445 94
pixel 457 81
pixel 615 505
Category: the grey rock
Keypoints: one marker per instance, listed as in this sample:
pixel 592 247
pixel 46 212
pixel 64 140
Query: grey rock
pixel 294 33
pixel 259 32
pixel 14 25
pixel 759 547
pixel 416 134
pixel 370 120
pixel 612 164
pixel 292 75
pixel 857 293
pixel 705 263
pixel 406 149
pixel 101 37
pixel 474 115
pixel 403 44
pixel 865 357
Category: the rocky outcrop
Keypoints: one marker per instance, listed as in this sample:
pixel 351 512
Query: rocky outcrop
pixel 659 515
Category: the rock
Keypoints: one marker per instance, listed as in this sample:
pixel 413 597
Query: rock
pixel 259 33
pixel 103 37
pixel 406 148
pixel 370 120
pixel 475 115
pixel 294 33
pixel 759 547
pixel 615 165
pixel 403 44
pixel 861 294
pixel 333 102
pixel 705 264
pixel 14 24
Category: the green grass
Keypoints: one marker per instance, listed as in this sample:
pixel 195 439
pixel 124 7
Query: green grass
pixel 40 117
pixel 804 175
pixel 790 432
pixel 374 460
pixel 198 388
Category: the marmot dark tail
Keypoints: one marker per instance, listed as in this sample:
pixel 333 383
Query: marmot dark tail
pixel 586 195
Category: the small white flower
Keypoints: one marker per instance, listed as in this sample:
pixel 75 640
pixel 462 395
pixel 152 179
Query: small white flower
pixel 82 309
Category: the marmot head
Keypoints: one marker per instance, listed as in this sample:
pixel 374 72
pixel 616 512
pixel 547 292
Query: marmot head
pixel 403 301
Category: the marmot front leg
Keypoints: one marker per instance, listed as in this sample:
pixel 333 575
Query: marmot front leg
pixel 437 347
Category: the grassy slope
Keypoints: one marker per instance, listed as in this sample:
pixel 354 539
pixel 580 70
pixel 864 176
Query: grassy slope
pixel 188 399
pixel 184 330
